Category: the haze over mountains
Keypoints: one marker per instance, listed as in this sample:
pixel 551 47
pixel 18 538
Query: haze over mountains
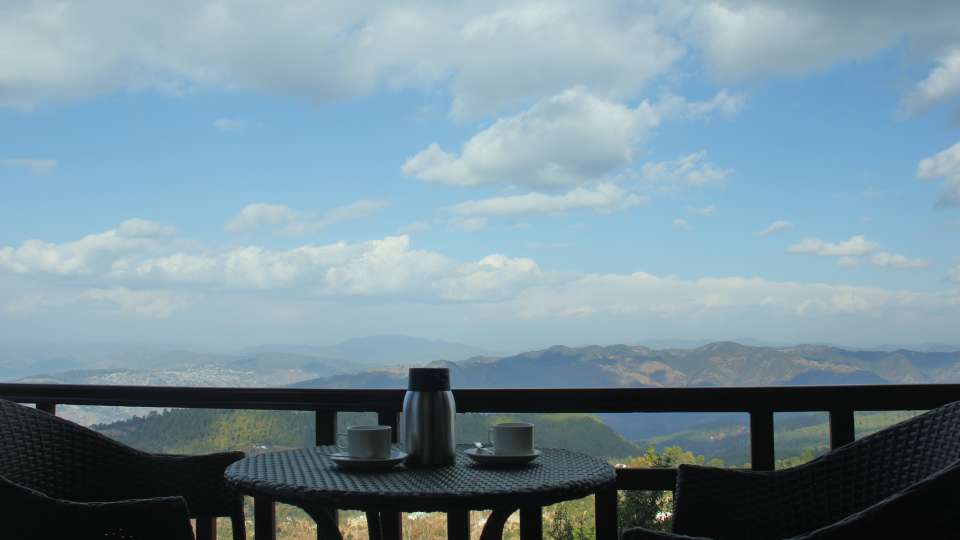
pixel 381 362
pixel 111 363
pixel 270 365
pixel 714 364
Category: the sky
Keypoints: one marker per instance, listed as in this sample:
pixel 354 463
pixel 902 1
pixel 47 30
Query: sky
pixel 507 174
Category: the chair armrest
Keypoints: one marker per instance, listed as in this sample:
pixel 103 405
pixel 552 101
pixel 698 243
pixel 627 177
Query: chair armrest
pixel 639 533
pixel 927 509
pixel 199 479
pixel 162 518
pixel 732 503
pixel 723 503
pixel 35 516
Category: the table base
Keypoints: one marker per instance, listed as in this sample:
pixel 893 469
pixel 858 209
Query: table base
pixel 386 525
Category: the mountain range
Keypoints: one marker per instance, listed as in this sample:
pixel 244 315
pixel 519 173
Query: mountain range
pixel 381 362
pixel 714 364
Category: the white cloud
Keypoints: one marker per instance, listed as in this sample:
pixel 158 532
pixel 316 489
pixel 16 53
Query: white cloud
pixel 572 139
pixel 89 255
pixel 954 274
pixel 260 215
pixel 31 303
pixel 144 228
pixel 681 223
pixel 895 260
pixel 777 226
pixel 494 277
pixel 472 224
pixel 229 124
pixel 563 141
pixel 140 303
pixel 151 304
pixel 723 103
pixel 743 39
pixel 131 277
pixel 605 198
pixel 692 170
pixel 855 251
pixel 256 215
pixel 378 281
pixel 856 246
pixel 706 211
pixel 37 166
pixel 415 227
pixel 625 297
pixel 542 48
pixel 324 51
pixel 945 166
pixel 942 84
pixel 848 261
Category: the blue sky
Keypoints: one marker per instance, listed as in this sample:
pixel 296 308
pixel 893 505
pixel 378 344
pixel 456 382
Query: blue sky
pixel 510 175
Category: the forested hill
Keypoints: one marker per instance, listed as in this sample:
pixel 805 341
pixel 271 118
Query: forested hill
pixel 199 431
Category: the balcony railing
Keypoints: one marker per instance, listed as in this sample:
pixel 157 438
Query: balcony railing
pixel 841 402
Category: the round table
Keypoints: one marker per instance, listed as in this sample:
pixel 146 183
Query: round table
pixel 307 478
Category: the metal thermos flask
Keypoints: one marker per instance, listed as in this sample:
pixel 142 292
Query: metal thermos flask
pixel 427 421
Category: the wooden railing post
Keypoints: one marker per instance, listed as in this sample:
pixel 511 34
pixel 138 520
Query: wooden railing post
pixel 391 522
pixel 47 407
pixel 264 519
pixel 326 433
pixel 326 427
pixel 842 429
pixel 761 440
pixel 392 419
pixel 206 528
pixel 605 514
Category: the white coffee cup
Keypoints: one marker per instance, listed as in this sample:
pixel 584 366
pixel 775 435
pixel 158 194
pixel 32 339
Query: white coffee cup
pixel 371 442
pixel 511 439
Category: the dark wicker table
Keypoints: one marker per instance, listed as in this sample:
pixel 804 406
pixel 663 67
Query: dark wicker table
pixel 307 478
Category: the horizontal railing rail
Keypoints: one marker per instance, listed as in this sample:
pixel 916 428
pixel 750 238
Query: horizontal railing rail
pixel 539 400
pixel 760 403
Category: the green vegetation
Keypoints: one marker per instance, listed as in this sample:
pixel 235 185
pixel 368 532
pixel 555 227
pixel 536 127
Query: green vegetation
pixel 194 431
pixel 579 432
pixel 796 435
pixel 199 431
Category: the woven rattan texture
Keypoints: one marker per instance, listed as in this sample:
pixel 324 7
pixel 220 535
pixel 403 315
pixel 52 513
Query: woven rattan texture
pixel 66 461
pixel 31 515
pixel 308 477
pixel 745 504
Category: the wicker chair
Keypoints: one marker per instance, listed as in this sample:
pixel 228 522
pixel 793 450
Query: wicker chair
pixel 49 459
pixel 38 517
pixel 901 482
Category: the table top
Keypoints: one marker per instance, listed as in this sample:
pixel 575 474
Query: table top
pixel 307 477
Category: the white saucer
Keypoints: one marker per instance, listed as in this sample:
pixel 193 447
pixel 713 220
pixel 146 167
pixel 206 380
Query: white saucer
pixel 487 457
pixel 347 462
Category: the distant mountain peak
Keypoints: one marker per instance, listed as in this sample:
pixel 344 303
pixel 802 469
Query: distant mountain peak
pixel 726 347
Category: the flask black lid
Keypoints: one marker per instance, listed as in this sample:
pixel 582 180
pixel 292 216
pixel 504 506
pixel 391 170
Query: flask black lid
pixel 429 379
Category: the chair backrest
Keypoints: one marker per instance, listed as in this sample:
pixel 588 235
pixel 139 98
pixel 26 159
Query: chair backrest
pixel 780 504
pixel 59 458
pixel 895 458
